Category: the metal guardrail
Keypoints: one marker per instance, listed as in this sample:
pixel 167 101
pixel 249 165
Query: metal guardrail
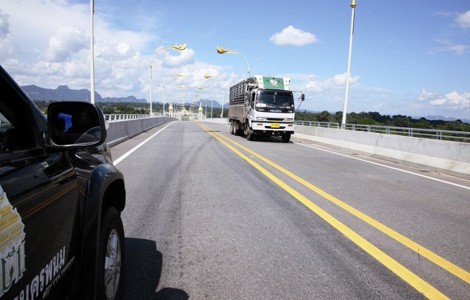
pixel 123 117
pixel 318 124
pixel 457 136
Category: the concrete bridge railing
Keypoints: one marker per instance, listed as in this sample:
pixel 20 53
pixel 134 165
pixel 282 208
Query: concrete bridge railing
pixel 446 156
pixel 119 131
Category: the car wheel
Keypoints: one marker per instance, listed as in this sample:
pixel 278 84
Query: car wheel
pixel 111 255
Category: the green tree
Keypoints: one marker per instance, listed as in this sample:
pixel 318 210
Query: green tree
pixel 366 122
pixel 422 123
pixel 324 116
pixel 401 121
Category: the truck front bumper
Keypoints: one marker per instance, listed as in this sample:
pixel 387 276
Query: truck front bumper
pixel 272 128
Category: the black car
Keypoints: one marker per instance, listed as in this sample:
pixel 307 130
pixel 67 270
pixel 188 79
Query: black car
pixel 61 198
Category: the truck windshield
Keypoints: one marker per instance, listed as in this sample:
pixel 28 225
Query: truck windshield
pixel 276 98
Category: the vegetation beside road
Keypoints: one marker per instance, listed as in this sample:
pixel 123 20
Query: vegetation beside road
pixel 375 118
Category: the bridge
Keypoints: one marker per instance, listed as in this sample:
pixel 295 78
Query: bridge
pixel 212 215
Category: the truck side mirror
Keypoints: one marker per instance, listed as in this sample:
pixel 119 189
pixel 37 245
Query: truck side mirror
pixel 302 97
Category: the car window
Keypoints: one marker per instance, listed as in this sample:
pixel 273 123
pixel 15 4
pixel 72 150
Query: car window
pixel 3 120
pixel 14 137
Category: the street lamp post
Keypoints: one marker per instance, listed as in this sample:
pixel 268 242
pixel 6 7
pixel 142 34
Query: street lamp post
pixel 221 50
pixel 203 88
pixel 343 122
pixel 163 100
pixel 164 95
pixel 92 53
pixel 208 76
pixel 180 48
pixel 222 113
pixel 200 103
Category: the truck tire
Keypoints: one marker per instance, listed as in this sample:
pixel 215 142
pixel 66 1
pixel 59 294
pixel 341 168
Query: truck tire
pixel 111 256
pixel 249 134
pixel 236 128
pixel 286 137
pixel 233 128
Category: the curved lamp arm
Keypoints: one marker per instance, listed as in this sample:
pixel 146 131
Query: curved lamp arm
pixel 180 47
pixel 221 50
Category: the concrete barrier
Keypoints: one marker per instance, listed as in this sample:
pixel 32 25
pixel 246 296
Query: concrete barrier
pixel 443 156
pixel 120 131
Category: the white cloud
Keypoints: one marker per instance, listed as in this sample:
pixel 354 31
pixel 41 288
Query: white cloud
pixel 55 50
pixel 119 52
pixel 452 100
pixel 425 95
pixel 449 46
pixel 66 41
pixel 291 36
pixel 338 81
pixel 34 22
pixel 175 61
pixel 464 20
pixel 327 93
pixel 125 50
pixel 6 37
pixel 194 78
pixel 4 26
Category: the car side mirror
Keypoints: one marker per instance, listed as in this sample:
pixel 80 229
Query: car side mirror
pixel 75 125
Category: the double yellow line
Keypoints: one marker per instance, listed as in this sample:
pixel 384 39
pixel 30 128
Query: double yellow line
pixel 408 276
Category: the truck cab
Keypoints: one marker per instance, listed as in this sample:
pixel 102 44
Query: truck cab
pixel 271 112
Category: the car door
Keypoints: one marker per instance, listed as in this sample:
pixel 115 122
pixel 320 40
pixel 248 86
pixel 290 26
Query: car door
pixel 38 204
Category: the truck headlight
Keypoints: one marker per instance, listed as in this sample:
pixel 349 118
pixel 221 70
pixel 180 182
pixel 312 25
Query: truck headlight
pixel 289 120
pixel 260 119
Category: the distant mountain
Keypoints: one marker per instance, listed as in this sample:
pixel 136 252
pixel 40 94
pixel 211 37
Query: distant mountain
pixel 209 104
pixel 439 118
pixel 63 93
pixel 126 99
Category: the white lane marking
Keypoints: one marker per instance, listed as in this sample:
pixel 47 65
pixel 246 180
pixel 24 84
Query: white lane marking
pixel 117 161
pixel 389 167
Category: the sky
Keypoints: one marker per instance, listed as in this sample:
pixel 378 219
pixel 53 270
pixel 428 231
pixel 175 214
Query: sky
pixel 409 57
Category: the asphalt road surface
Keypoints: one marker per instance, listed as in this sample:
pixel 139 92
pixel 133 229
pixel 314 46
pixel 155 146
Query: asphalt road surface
pixel 211 215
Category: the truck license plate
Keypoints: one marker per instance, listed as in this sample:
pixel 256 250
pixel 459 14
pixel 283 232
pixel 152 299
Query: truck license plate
pixel 275 125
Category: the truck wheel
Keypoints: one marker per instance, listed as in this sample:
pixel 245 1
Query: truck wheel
pixel 286 138
pixel 249 134
pixel 111 256
pixel 233 128
pixel 236 130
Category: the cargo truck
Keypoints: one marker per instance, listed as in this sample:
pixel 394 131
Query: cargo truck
pixel 262 106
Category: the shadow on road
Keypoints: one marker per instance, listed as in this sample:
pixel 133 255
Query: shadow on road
pixel 267 139
pixel 143 272
pixel 171 294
